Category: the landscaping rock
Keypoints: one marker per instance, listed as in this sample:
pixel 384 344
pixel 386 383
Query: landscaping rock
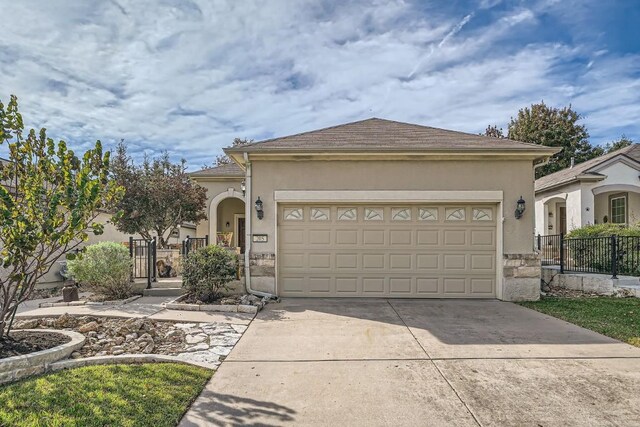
pixel 89 327
pixel 199 342
pixel 64 321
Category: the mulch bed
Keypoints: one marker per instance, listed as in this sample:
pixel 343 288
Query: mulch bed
pixel 20 343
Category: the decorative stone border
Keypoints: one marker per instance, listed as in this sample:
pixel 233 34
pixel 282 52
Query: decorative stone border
pixel 16 367
pixel 94 361
pixel 74 303
pixel 176 304
pixel 122 359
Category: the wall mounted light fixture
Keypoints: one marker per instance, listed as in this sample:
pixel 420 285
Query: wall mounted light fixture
pixel 259 210
pixel 519 208
pixel 243 187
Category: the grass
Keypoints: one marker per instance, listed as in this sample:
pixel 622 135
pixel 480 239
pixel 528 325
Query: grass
pixel 617 318
pixel 115 395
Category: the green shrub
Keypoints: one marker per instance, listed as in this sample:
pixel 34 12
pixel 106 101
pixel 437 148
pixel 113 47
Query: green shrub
pixel 589 247
pixel 604 230
pixel 207 271
pixel 104 268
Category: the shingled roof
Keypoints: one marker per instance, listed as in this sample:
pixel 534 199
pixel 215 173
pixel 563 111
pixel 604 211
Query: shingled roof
pixel 385 135
pixel 228 170
pixel 568 175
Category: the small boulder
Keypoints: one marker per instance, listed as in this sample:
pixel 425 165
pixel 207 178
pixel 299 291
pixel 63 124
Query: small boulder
pixel 89 327
pixel 64 321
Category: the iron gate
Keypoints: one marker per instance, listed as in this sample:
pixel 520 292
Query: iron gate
pixel 143 255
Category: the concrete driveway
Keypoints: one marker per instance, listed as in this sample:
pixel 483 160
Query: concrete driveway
pixel 420 362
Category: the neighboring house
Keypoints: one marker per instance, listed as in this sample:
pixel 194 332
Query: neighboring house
pixel 604 189
pixel 378 208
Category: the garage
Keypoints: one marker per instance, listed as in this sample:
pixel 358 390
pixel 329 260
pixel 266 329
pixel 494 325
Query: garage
pixel 398 250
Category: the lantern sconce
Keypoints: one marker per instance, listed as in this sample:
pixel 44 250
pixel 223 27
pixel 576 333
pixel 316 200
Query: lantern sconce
pixel 243 187
pixel 519 208
pixel 259 210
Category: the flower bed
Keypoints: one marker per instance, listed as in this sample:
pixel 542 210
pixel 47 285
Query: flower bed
pixel 228 304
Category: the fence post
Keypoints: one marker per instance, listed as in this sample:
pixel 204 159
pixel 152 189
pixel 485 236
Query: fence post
pixel 561 253
pixel 614 257
pixel 155 259
pixel 206 240
pixel 539 241
pixel 149 267
pixel 131 246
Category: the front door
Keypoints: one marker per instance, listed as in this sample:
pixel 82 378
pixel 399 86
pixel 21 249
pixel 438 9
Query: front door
pixel 562 217
pixel 240 234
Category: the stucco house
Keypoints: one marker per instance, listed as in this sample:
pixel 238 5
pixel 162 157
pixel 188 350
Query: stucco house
pixel 378 208
pixel 604 189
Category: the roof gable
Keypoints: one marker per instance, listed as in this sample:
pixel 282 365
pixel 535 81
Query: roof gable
pixel 384 135
pixel 630 153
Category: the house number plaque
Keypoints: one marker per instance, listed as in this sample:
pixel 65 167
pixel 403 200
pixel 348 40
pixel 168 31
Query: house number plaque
pixel 260 238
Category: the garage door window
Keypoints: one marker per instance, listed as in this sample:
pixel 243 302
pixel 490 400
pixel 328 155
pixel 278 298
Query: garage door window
pixel 455 214
pixel 347 214
pixel 320 214
pixel 401 214
pixel 482 214
pixel 373 214
pixel 428 214
pixel 294 214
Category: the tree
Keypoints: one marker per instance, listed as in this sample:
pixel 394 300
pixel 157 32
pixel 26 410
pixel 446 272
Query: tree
pixel 493 131
pixel 553 127
pixel 49 200
pixel 224 159
pixel 159 196
pixel 617 145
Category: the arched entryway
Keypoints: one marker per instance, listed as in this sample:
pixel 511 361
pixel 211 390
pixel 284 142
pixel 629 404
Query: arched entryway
pixel 227 219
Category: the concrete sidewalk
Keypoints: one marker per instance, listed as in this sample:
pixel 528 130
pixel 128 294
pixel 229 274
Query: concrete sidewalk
pixel 145 307
pixel 419 362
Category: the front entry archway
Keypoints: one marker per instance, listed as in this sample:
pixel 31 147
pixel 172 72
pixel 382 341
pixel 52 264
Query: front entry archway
pixel 226 215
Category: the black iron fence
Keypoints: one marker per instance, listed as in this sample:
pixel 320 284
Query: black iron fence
pixel 194 243
pixel 143 255
pixel 605 255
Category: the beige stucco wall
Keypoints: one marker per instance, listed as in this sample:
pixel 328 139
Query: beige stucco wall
pixel 515 178
pixel 215 188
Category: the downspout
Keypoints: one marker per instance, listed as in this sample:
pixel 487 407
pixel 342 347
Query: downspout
pixel 248 232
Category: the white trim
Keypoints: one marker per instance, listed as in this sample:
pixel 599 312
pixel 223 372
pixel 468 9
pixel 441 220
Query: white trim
pixel 499 249
pixel 403 196
pixel 213 210
pixel 616 188
pixel 387 196
pixel 236 234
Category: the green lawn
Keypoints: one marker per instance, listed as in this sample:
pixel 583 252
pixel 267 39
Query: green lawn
pixel 115 395
pixel 615 317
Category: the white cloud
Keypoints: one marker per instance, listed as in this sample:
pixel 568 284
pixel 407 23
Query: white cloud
pixel 189 76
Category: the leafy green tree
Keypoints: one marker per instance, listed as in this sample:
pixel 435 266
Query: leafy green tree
pixel 618 144
pixel 159 196
pixel 553 127
pixel 493 131
pixel 49 201
pixel 224 159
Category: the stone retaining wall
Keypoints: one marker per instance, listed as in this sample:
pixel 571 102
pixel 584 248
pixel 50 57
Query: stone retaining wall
pixel 14 368
pixel 601 284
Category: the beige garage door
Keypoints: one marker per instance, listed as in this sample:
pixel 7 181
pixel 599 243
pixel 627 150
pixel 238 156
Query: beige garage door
pixel 400 250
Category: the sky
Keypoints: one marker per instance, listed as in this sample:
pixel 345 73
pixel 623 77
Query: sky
pixel 188 76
